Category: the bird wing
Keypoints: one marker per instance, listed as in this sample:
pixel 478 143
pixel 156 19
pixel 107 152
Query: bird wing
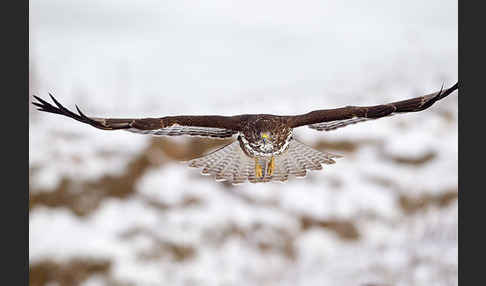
pixel 330 119
pixel 199 125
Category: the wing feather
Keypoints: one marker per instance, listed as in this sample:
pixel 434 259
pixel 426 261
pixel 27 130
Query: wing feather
pixel 187 130
pixel 199 125
pixel 330 119
pixel 331 125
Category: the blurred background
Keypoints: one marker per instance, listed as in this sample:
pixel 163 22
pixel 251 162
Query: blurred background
pixel 116 208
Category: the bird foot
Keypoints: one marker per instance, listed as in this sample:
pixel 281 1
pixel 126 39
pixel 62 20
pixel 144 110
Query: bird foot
pixel 271 166
pixel 258 169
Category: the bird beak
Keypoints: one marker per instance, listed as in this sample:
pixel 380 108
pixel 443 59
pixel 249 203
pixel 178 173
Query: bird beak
pixel 265 137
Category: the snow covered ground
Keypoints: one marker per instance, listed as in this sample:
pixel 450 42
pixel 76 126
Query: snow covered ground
pixel 385 214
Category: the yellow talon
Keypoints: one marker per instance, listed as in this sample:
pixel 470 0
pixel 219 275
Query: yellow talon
pixel 258 169
pixel 271 166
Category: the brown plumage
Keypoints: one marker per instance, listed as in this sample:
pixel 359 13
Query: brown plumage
pixel 265 149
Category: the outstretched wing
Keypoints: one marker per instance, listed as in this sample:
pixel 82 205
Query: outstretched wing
pixel 208 126
pixel 330 119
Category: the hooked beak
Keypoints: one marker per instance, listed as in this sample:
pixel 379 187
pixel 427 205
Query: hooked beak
pixel 265 138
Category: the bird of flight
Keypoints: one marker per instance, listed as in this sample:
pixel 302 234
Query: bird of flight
pixel 265 149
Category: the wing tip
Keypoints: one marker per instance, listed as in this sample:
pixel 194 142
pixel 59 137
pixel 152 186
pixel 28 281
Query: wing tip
pixel 43 105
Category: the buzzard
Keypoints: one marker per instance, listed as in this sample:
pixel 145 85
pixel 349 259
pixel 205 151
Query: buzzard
pixel 265 149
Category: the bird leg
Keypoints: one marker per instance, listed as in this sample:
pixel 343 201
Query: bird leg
pixel 258 169
pixel 271 166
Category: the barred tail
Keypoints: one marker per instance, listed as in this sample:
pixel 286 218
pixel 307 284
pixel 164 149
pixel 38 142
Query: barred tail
pixel 298 159
pixel 228 163
pixel 231 164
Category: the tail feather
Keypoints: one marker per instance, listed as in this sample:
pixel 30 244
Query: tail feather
pixel 280 173
pixel 310 159
pixel 250 167
pixel 211 165
pixel 211 162
pixel 297 164
pixel 230 167
pixel 241 173
pixel 221 166
pixel 302 160
pixel 314 155
pixel 231 164
pixel 285 164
